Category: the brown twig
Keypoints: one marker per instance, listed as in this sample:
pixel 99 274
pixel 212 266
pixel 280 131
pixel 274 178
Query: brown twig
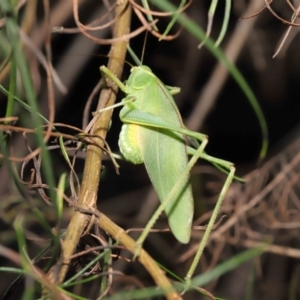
pixel 144 258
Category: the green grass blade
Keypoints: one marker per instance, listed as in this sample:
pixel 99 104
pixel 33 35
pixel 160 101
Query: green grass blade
pixel 149 16
pixel 24 104
pixel 12 270
pixel 174 19
pixel 90 264
pixel 133 56
pixel 225 23
pixel 201 280
pixel 225 267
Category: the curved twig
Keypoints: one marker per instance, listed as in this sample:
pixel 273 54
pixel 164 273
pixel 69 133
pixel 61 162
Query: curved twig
pixel 124 37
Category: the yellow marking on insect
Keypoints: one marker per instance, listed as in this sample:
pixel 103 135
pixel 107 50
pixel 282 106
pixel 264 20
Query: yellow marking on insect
pixel 129 143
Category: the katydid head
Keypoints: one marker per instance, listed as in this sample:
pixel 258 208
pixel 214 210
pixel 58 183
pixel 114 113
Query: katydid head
pixel 140 77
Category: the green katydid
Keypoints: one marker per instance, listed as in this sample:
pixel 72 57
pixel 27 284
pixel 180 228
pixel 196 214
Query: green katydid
pixel 146 135
pixel 153 134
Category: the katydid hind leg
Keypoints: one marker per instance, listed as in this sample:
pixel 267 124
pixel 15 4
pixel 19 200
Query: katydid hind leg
pixel 210 225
